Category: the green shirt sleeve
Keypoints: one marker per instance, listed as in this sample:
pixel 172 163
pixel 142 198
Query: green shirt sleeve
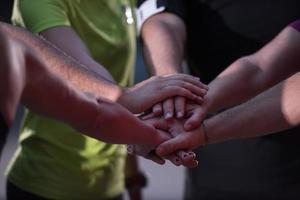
pixel 38 15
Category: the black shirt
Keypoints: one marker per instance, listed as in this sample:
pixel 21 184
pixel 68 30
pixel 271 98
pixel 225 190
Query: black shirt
pixel 218 33
pixel 3 132
pixel 6 10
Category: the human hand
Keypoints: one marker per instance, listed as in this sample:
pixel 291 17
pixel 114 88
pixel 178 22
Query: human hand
pixel 183 108
pixel 184 140
pixel 195 114
pixel 181 157
pixel 110 122
pixel 191 111
pixel 144 95
pixel 169 107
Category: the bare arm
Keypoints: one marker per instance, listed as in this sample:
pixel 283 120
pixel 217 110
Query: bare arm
pixel 25 77
pixel 66 39
pixel 60 63
pixel 136 99
pixel 164 37
pixel 272 111
pixel 252 74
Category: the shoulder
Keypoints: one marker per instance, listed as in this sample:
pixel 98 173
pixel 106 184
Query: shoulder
pixel 38 15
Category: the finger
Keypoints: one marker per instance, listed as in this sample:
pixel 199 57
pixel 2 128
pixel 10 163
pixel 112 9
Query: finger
pixel 191 163
pixel 149 116
pixel 188 78
pixel 172 91
pixel 200 91
pixel 186 155
pixel 157 109
pixel 171 146
pixel 199 100
pixel 173 158
pixel 158 123
pixel 188 158
pixel 180 107
pixel 168 108
pixel 163 134
pixel 155 159
pixel 195 120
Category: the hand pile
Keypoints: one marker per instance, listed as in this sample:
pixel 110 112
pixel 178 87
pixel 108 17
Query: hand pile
pixel 183 129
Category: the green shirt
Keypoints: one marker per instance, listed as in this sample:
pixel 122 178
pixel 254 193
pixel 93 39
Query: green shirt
pixel 54 161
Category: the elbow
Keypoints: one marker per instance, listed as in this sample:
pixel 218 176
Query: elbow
pixel 256 77
pixel 164 21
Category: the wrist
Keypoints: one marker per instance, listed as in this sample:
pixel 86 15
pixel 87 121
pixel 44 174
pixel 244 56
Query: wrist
pixel 204 134
pixel 166 69
pixel 125 99
pixel 208 103
pixel 212 130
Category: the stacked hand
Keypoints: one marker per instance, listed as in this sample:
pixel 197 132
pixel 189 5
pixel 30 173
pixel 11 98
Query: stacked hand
pixel 105 118
pixel 156 89
pixel 183 129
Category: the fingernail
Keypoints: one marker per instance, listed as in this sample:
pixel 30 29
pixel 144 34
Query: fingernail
pixel 168 115
pixel 179 114
pixel 185 155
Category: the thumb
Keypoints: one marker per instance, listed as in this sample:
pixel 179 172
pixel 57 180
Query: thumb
pixel 171 146
pixel 164 136
pixel 194 121
pixel 158 123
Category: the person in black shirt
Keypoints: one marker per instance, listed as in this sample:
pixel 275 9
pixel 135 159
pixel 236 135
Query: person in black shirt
pixel 5 10
pixel 213 34
pixel 3 131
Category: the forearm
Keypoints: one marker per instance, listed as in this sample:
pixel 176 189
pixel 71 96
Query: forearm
pixel 60 64
pixel 163 40
pixel 48 94
pixel 252 74
pixel 274 110
pixel 66 39
pixel 239 82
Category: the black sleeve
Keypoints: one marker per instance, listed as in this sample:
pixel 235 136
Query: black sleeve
pixel 3 132
pixel 147 8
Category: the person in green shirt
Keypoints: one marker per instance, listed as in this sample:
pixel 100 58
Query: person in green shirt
pixel 59 162
pixel 20 81
pixel 33 77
